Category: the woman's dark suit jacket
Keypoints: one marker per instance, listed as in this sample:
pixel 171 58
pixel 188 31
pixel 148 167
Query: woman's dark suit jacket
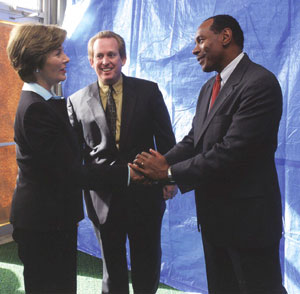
pixel 47 194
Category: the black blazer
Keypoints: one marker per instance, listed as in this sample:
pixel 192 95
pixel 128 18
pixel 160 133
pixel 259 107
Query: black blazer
pixel 145 124
pixel 47 194
pixel 228 158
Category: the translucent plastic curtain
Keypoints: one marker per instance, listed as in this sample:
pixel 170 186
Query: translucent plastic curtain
pixel 159 36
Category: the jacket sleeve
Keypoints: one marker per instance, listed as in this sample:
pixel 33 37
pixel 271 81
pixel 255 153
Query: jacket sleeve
pixel 162 128
pixel 54 156
pixel 182 150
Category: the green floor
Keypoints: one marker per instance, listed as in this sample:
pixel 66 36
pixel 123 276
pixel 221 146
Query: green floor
pixel 88 278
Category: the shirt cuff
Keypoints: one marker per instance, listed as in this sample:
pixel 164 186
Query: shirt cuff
pixel 128 180
pixel 170 177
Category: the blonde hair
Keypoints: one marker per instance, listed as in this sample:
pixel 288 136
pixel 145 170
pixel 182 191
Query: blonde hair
pixel 28 47
pixel 107 34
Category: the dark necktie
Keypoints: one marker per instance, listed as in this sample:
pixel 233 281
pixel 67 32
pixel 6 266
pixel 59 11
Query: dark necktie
pixel 111 112
pixel 215 91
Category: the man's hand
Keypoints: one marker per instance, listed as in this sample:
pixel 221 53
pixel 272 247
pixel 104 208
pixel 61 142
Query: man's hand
pixel 170 191
pixel 153 165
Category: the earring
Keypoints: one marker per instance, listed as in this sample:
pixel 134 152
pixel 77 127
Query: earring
pixel 37 70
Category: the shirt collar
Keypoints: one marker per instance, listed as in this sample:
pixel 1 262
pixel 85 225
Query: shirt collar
pixel 38 89
pixel 227 71
pixel 117 86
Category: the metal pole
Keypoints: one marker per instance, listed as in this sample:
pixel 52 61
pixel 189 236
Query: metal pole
pixel 50 10
pixel 61 8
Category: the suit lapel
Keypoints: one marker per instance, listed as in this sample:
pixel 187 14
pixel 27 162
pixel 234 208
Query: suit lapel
pixel 94 103
pixel 128 105
pixel 202 109
pixel 225 92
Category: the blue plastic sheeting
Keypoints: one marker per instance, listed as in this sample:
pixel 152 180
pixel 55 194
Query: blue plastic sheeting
pixel 160 37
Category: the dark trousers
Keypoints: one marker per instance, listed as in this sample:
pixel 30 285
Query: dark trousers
pixel 49 260
pixel 233 270
pixel 143 232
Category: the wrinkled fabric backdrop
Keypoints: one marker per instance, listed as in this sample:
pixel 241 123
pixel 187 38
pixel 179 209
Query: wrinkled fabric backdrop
pixel 159 36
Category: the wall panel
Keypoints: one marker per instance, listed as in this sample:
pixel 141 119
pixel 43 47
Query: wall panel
pixel 9 96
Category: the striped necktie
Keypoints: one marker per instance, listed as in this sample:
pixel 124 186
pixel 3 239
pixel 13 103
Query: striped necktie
pixel 111 112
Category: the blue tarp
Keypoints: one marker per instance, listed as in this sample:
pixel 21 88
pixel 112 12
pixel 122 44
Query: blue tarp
pixel 160 37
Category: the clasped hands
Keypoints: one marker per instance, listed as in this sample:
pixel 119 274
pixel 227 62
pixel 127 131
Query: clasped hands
pixel 152 167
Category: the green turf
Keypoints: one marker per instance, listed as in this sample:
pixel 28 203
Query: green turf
pixel 89 273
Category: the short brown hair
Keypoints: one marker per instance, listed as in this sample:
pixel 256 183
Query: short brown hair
pixel 28 47
pixel 222 21
pixel 107 34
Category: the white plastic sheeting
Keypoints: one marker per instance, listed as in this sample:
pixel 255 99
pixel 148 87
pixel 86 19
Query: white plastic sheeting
pixel 160 37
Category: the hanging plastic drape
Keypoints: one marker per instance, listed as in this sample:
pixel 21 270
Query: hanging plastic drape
pixel 159 36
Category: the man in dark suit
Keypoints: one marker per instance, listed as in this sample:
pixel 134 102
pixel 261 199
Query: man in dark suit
pixel 228 158
pixel 116 118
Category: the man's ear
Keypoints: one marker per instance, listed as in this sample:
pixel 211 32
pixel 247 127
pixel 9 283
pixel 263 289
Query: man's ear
pixel 124 61
pixel 227 37
pixel 91 60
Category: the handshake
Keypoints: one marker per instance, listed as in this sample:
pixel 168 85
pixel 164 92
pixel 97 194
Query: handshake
pixel 149 168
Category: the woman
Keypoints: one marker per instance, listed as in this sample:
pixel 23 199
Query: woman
pixel 47 202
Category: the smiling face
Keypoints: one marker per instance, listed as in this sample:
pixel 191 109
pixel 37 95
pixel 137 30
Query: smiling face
pixel 209 48
pixel 106 60
pixel 54 69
